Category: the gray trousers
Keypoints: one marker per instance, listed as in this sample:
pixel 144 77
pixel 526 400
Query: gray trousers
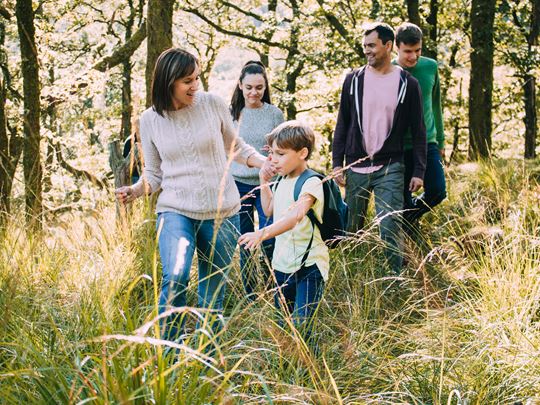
pixel 387 186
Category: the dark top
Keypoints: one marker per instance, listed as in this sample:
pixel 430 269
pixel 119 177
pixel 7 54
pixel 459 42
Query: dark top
pixel 348 142
pixel 125 154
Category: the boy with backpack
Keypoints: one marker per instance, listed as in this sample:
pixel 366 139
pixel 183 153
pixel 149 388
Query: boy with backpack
pixel 297 202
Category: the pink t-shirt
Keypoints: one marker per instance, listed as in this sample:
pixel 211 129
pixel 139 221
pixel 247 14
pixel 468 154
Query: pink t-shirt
pixel 379 104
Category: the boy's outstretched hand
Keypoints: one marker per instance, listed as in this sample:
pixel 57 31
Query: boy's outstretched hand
pixel 251 240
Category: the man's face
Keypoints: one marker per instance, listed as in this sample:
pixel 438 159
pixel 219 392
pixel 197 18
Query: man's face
pixel 408 55
pixel 376 52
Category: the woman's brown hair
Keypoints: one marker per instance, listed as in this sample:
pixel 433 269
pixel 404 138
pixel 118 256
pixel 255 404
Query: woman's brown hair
pixel 171 65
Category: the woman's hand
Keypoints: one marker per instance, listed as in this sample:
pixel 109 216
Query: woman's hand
pixel 125 194
pixel 267 171
pixel 251 240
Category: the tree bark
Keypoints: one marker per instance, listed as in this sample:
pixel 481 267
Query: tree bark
pixel 413 12
pixel 127 108
pixel 159 37
pixel 529 86
pixel 295 63
pixel 335 22
pixel 31 90
pixel 430 45
pixel 481 81
pixel 124 52
pixel 530 118
pixel 5 13
pixel 10 144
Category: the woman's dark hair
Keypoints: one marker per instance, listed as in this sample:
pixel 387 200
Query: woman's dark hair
pixel 253 67
pixel 171 65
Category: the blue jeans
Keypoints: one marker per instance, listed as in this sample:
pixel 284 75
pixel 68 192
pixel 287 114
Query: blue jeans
pixel 299 294
pixel 387 186
pixel 251 201
pixel 434 185
pixel 179 237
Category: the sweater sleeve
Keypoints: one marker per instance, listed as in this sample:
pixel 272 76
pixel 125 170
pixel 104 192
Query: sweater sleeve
pixel 242 151
pixel 278 117
pixel 437 110
pixel 342 125
pixel 418 128
pixel 152 172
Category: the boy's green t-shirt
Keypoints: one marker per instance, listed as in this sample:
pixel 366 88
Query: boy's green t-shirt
pixel 427 73
pixel 291 245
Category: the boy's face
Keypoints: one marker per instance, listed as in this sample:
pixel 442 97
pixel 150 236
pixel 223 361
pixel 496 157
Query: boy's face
pixel 408 55
pixel 287 161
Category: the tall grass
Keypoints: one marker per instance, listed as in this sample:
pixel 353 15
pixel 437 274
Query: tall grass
pixel 461 326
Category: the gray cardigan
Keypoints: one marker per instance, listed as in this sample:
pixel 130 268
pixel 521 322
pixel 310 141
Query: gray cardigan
pixel 253 126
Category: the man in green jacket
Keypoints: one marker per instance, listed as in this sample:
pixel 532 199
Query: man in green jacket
pixel 425 70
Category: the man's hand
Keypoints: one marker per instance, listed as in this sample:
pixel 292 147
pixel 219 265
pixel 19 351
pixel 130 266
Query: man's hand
pixel 251 240
pixel 339 178
pixel 416 184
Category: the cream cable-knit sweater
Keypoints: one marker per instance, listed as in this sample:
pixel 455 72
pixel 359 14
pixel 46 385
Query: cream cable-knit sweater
pixel 186 154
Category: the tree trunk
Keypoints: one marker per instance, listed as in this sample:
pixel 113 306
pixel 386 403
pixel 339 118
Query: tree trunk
pixel 159 37
pixel 127 108
pixel 531 113
pixel 375 10
pixel 10 144
pixel 294 65
pixel 413 12
pixel 31 90
pixel 530 116
pixel 430 35
pixel 264 54
pixel 481 81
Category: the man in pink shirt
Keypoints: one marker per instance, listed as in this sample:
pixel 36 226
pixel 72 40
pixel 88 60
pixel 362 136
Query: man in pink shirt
pixel 379 103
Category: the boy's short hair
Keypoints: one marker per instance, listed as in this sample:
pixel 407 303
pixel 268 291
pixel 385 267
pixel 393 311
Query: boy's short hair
pixel 384 31
pixel 293 135
pixel 408 34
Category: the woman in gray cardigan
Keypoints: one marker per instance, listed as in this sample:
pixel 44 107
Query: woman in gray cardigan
pixel 255 117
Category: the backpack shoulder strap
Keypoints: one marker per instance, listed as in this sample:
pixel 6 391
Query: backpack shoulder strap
pixel 306 174
pixel 276 184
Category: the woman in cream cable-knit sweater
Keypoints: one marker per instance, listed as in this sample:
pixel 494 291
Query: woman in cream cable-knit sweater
pixel 189 141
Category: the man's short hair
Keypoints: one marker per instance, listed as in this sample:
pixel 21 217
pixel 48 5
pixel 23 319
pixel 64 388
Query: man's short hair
pixel 385 31
pixel 408 34
pixel 293 135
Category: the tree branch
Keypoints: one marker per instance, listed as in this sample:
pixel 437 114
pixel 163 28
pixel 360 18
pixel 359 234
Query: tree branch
pixel 535 23
pixel 102 184
pixel 233 33
pixel 315 107
pixel 240 10
pixel 124 52
pixel 5 13
pixel 340 28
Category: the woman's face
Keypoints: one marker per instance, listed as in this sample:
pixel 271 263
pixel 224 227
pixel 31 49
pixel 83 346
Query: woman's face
pixel 253 87
pixel 184 90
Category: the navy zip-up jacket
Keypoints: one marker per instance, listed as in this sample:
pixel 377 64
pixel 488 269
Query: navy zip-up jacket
pixel 348 142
